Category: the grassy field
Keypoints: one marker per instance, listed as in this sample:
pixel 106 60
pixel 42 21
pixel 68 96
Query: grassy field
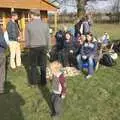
pixel 95 99
pixel 112 29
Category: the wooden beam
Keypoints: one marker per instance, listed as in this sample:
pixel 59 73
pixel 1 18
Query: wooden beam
pixel 42 5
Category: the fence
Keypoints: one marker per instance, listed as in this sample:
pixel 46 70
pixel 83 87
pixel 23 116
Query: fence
pixel 97 18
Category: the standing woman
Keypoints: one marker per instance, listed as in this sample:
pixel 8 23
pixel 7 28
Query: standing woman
pixel 3 46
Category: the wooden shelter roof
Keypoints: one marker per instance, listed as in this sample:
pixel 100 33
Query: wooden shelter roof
pixel 28 4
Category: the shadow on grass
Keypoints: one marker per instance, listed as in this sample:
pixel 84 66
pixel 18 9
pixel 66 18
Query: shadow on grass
pixel 10 104
pixel 46 95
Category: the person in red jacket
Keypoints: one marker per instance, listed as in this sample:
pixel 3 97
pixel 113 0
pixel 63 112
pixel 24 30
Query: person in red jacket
pixel 58 88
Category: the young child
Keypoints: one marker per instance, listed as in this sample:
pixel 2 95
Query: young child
pixel 58 88
pixel 105 39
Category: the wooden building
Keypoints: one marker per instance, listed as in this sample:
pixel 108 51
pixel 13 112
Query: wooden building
pixel 22 8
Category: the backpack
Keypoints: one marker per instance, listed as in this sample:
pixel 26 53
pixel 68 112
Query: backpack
pixel 107 60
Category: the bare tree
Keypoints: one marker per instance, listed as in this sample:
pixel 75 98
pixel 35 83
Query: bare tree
pixel 81 6
pixel 115 6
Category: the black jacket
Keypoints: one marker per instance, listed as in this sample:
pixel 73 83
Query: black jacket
pixel 13 30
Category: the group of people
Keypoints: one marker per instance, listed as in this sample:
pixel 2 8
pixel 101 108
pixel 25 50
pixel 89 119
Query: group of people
pixel 37 41
pixel 78 47
pixel 75 48
pixel 9 38
pixel 71 50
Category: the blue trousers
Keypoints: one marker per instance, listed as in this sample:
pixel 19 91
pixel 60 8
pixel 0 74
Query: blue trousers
pixel 90 62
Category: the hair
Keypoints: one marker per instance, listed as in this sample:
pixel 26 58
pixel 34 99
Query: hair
pixel 71 36
pixel 55 66
pixel 35 12
pixel 14 13
pixel 90 34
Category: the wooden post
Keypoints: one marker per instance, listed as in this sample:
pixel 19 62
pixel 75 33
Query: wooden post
pixel 55 21
pixel 4 21
pixel 23 29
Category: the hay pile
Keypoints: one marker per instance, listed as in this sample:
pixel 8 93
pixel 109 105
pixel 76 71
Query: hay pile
pixel 68 72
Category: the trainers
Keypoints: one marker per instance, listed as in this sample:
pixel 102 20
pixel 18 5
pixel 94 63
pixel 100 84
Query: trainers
pixel 88 76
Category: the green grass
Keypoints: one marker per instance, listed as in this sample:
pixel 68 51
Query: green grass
pixel 95 99
pixel 112 29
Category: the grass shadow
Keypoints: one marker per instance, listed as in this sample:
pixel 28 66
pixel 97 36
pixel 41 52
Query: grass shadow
pixel 46 95
pixel 10 104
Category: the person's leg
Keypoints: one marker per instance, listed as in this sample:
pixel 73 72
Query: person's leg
pixel 42 62
pixel 58 105
pixel 18 55
pixel 33 66
pixel 12 47
pixel 43 75
pixel 91 66
pixel 79 62
pixel 2 72
pixel 52 104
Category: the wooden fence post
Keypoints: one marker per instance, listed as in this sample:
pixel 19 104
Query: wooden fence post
pixel 55 21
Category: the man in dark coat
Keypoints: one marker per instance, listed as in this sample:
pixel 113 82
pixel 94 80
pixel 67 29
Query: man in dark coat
pixel 3 46
pixel 37 39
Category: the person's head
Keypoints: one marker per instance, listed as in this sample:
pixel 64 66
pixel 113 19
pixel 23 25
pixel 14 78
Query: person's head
pixel 55 66
pixel 14 15
pixel 34 13
pixel 68 36
pixel 105 33
pixel 89 37
pixel 83 37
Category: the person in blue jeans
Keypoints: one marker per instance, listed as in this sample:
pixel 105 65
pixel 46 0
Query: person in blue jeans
pixel 87 53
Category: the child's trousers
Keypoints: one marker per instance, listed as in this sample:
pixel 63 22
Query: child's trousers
pixel 56 101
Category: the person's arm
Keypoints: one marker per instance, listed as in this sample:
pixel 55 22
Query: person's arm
pixel 27 43
pixel 48 39
pixel 6 37
pixel 10 30
pixel 81 29
pixel 63 84
pixel 3 44
pixel 94 51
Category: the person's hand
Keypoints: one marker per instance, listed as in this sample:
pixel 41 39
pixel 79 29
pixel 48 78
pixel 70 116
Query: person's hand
pixel 84 57
pixel 19 37
pixel 71 51
pixel 48 55
pixel 63 96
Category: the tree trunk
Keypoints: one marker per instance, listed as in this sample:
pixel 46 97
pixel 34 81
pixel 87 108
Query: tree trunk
pixel 80 7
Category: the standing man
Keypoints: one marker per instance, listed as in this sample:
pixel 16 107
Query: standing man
pixel 37 39
pixel 86 26
pixel 3 46
pixel 14 45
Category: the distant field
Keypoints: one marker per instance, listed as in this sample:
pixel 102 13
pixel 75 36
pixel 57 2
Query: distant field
pixel 112 29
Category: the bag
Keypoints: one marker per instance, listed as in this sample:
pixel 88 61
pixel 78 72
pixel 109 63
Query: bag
pixel 107 60
pixel 114 55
